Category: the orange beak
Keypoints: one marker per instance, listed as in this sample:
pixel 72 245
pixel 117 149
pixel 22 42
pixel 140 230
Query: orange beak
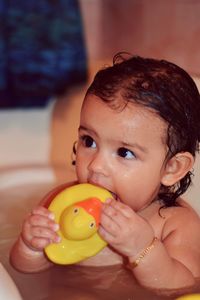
pixel 93 207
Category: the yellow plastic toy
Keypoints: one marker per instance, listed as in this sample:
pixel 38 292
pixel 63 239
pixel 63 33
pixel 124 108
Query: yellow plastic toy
pixel 77 210
pixel 189 297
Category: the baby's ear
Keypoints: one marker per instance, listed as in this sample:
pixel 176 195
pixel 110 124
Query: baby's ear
pixel 177 167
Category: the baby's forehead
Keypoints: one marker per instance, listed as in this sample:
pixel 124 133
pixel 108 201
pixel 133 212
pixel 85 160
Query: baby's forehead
pixel 145 115
pixel 126 116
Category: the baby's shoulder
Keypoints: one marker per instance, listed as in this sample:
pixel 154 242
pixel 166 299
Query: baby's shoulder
pixel 182 221
pixel 181 237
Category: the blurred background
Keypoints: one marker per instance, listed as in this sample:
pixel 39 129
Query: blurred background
pixel 49 53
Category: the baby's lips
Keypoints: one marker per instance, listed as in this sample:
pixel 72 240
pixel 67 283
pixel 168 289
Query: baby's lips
pixel 114 195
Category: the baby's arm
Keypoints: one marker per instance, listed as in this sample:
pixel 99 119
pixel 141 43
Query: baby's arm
pixel 38 230
pixel 170 262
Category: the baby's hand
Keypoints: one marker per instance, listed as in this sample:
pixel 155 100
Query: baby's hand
pixel 124 229
pixel 39 229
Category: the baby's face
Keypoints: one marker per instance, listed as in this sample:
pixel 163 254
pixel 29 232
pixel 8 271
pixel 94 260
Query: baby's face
pixel 122 151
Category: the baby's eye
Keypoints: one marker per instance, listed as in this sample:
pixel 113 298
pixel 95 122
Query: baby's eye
pixel 123 152
pixel 88 141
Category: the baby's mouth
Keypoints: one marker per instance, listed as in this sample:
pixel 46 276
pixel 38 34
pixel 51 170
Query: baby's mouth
pixel 115 196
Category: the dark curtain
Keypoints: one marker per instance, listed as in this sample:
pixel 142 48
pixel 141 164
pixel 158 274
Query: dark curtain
pixel 42 50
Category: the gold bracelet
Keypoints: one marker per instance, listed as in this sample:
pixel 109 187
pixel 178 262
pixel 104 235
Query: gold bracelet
pixel 132 265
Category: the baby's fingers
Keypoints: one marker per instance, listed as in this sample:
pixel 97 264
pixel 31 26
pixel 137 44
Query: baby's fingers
pixel 40 220
pixel 43 237
pixel 109 224
pixel 39 230
pixel 37 238
pixel 42 211
pixel 106 235
pixel 38 243
pixel 125 210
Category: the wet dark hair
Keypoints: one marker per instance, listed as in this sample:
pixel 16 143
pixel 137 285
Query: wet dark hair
pixel 165 88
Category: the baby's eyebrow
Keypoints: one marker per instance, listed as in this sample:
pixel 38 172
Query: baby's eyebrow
pixel 81 127
pixel 135 145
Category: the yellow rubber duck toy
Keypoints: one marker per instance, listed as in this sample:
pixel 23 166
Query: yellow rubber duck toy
pixel 189 297
pixel 77 210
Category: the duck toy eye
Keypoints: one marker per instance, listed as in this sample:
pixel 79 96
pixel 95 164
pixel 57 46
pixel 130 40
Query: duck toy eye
pixel 92 224
pixel 77 210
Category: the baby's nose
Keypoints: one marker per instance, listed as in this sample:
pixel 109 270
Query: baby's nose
pixel 98 164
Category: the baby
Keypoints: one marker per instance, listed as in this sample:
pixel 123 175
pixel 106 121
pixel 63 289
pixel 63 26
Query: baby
pixel 138 135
